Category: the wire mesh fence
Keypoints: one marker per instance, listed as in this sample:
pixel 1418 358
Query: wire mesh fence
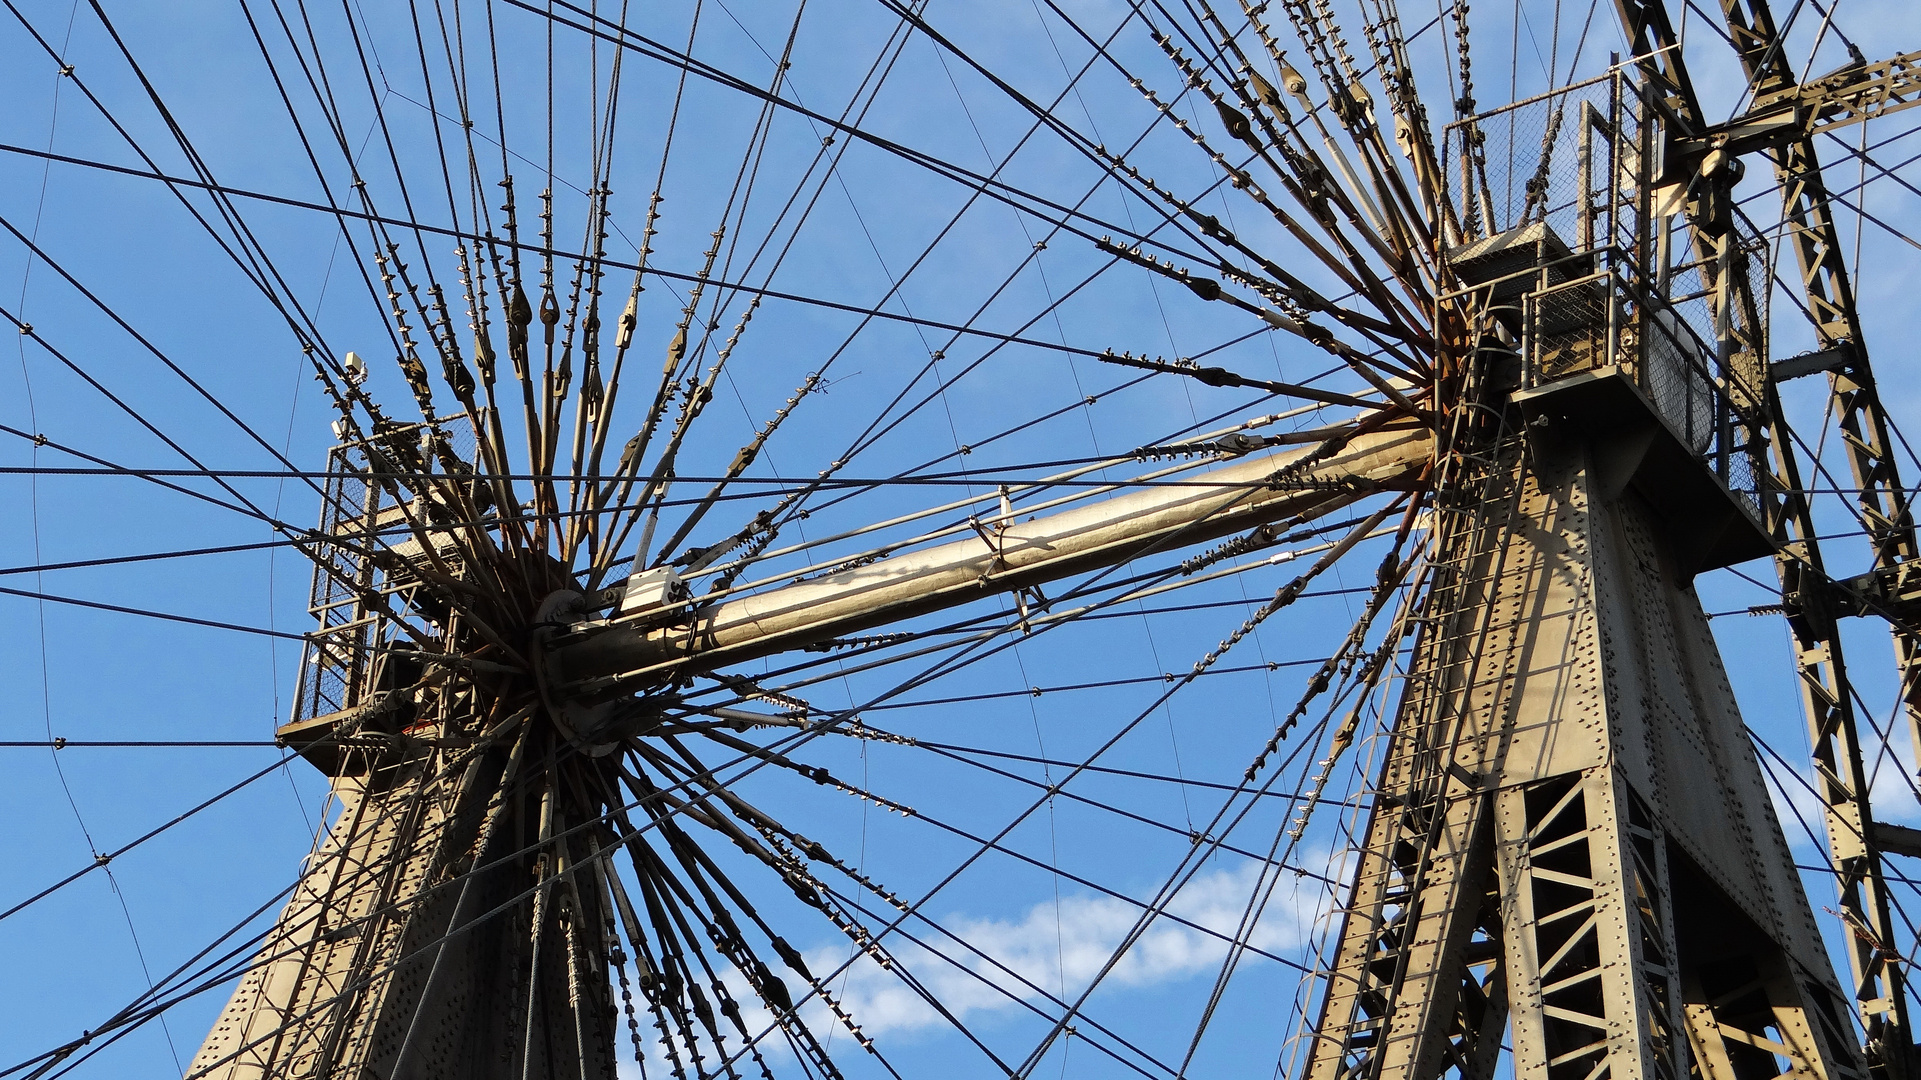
pixel 1570 160
pixel 1565 238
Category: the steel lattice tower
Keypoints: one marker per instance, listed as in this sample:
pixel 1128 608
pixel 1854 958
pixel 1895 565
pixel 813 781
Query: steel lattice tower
pixel 1571 846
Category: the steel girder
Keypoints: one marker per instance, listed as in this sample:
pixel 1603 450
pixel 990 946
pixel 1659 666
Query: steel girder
pixel 1883 504
pixel 391 959
pixel 1571 836
pixel 1809 596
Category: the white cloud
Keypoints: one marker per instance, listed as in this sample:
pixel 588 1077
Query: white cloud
pixel 1062 951
pixel 1794 803
pixel 1055 950
pixel 1893 790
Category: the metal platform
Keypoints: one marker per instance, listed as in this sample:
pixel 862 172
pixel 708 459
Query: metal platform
pixel 1708 525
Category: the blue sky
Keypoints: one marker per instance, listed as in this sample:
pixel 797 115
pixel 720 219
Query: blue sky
pixel 90 674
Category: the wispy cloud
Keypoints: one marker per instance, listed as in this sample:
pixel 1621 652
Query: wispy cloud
pixel 1060 950
pixel 1009 962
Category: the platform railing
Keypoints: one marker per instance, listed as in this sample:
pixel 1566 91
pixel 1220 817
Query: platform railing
pixel 340 665
pixel 1566 232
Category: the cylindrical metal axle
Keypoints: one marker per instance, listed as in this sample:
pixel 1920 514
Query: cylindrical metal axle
pixel 1004 556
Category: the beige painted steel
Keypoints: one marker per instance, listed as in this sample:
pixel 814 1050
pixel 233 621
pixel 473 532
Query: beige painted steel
pixel 1428 970
pixel 1569 674
pixel 1010 554
pixel 359 964
pixel 1586 932
pixel 359 976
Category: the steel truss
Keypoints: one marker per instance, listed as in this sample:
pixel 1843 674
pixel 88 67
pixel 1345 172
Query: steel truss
pixel 1571 847
pixel 1572 839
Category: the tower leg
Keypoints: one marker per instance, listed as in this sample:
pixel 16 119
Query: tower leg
pixel 404 951
pixel 1568 744
pixel 1414 1002
pixel 1584 891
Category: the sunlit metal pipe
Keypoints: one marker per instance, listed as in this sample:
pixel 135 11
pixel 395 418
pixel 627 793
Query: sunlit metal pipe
pixel 1005 555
